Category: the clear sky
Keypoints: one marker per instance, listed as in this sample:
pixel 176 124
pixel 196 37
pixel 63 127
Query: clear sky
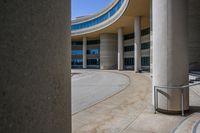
pixel 87 7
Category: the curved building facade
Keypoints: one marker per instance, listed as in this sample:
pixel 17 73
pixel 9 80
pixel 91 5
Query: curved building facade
pixel 113 30
pixel 123 36
pixel 160 35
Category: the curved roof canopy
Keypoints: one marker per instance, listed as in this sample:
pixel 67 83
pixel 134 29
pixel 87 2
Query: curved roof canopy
pixel 120 13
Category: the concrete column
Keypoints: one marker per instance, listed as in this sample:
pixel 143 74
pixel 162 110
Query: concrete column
pixel 84 52
pixel 151 39
pixel 170 52
pixel 120 49
pixel 35 95
pixel 108 51
pixel 137 58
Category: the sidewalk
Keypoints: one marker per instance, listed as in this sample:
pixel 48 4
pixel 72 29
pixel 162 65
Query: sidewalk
pixel 129 111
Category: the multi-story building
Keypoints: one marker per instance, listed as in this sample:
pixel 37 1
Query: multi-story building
pixel 106 39
pixel 158 36
pixel 35 50
pixel 93 52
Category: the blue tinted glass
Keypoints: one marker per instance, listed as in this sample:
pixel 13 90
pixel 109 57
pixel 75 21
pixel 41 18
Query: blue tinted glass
pixel 77 52
pixel 93 52
pixel 77 61
pixel 99 19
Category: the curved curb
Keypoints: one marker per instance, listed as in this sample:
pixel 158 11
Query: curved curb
pixel 196 122
pixel 196 127
pixel 106 98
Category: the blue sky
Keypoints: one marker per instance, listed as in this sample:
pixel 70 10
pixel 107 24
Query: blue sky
pixel 87 7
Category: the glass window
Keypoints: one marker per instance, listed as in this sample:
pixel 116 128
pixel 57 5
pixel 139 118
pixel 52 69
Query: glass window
pixel 145 61
pixel 145 32
pixel 128 48
pixel 77 61
pixel 77 43
pixel 77 52
pixel 99 19
pixel 145 45
pixel 93 52
pixel 93 61
pixel 129 36
pixel 91 42
pixel 128 61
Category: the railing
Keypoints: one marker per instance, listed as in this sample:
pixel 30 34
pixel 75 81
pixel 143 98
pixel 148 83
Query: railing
pixel 181 88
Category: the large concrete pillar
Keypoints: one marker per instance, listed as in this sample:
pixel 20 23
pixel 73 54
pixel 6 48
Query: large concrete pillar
pixel 170 55
pixel 84 52
pixel 108 51
pixel 137 58
pixel 35 94
pixel 151 39
pixel 120 49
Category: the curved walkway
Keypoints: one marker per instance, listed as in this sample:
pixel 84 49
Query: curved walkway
pixel 91 86
pixel 129 111
pixel 189 125
pixel 116 113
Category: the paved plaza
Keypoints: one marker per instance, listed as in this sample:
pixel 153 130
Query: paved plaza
pixel 92 86
pixel 127 110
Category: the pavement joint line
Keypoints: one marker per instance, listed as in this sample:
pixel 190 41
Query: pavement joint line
pixel 132 123
pixel 196 126
pixel 108 96
pixel 179 124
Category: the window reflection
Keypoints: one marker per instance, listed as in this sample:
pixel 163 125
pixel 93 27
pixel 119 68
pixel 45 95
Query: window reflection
pixel 93 61
pixel 98 19
pixel 145 45
pixel 93 52
pixel 77 62
pixel 128 48
pixel 145 61
pixel 77 52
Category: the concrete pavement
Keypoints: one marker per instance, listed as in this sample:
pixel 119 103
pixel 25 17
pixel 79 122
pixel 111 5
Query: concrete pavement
pixel 129 111
pixel 92 86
